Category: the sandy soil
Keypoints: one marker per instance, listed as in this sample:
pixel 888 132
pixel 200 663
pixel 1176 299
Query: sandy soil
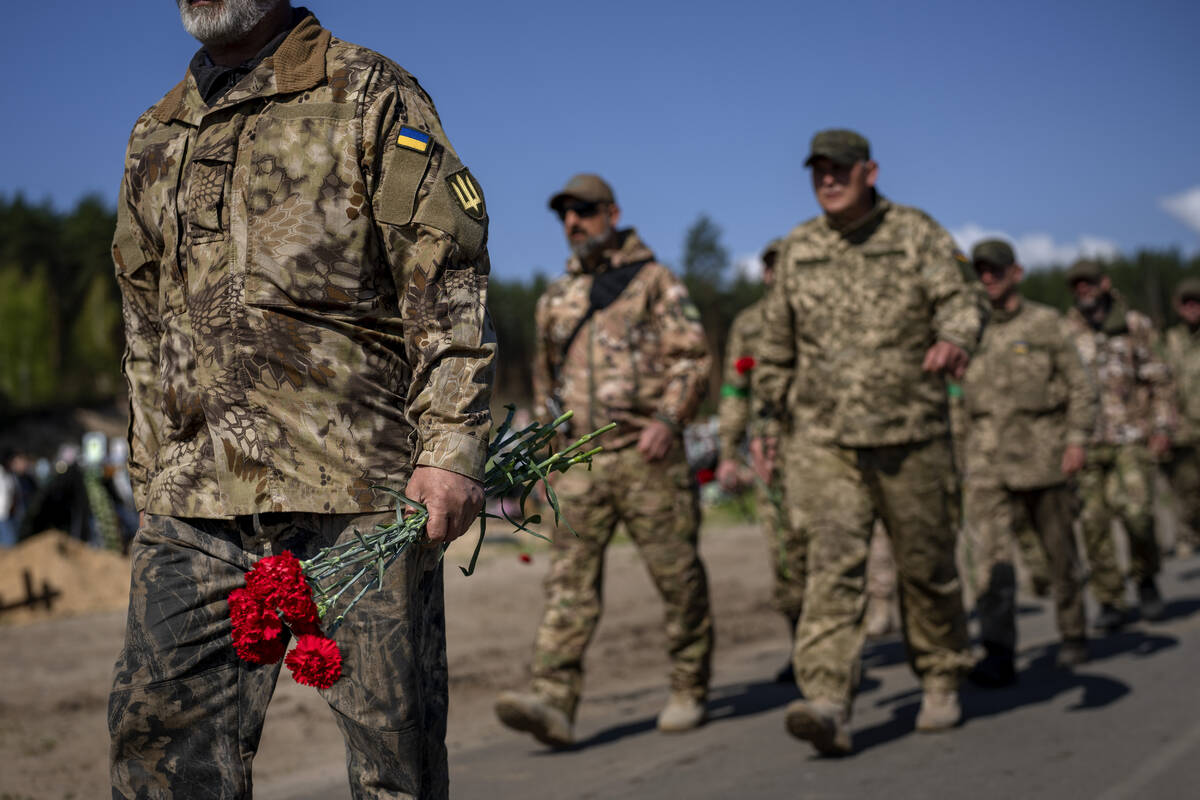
pixel 55 672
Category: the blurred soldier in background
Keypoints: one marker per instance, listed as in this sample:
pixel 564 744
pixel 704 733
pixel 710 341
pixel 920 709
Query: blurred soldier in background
pixel 785 542
pixel 618 339
pixel 1031 408
pixel 870 312
pixel 1136 411
pixel 1183 357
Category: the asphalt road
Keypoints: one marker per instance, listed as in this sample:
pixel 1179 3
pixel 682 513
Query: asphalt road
pixel 1124 725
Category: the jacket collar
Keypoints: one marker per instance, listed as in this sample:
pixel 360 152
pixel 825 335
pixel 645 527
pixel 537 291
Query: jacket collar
pixel 298 64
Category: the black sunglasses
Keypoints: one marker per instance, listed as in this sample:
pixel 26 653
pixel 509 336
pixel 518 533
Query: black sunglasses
pixel 582 209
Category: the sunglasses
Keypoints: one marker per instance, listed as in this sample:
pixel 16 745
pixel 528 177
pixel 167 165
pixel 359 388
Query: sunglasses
pixel 582 209
pixel 987 266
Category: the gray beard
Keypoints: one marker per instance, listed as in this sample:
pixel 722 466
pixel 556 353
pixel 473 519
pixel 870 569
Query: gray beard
pixel 591 248
pixel 224 24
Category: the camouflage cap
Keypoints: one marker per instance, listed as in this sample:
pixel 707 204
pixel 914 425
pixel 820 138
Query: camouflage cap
pixel 771 252
pixel 584 186
pixel 993 251
pixel 840 146
pixel 1188 289
pixel 1085 271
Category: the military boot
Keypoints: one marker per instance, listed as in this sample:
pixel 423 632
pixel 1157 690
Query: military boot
pixel 996 669
pixel 823 724
pixel 939 709
pixel 1111 618
pixel 531 713
pixel 1150 602
pixel 1072 653
pixel 683 712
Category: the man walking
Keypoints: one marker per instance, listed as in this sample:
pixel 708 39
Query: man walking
pixel 618 340
pixel 1183 357
pixel 302 262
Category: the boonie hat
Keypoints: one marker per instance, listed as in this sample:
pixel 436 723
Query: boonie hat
pixel 586 187
pixel 839 145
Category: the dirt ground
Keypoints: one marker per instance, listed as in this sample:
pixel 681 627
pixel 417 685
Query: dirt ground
pixel 56 669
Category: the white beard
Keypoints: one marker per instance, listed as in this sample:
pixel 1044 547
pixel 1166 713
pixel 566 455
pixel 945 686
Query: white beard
pixel 225 23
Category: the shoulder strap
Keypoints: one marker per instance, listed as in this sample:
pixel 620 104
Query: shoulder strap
pixel 606 288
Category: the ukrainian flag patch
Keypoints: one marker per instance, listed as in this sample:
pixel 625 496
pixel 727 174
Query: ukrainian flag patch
pixel 413 139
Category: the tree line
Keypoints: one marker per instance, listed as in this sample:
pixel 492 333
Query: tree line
pixel 61 335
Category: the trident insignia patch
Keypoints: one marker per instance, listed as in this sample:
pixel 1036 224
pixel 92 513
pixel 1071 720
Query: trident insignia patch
pixel 467 193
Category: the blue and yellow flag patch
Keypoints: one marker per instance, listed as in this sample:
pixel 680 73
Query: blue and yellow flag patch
pixel 413 139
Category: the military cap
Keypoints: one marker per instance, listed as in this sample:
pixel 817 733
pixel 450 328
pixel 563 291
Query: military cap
pixel 771 251
pixel 1084 271
pixel 993 251
pixel 840 146
pixel 1188 289
pixel 586 187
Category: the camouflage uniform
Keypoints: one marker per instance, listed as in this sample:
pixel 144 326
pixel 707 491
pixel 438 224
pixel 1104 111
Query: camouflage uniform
pixel 304 275
pixel 848 322
pixel 1183 357
pixel 1028 395
pixel 785 544
pixel 642 358
pixel 1135 401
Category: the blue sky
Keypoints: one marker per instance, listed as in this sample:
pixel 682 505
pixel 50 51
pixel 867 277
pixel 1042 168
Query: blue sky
pixel 1066 125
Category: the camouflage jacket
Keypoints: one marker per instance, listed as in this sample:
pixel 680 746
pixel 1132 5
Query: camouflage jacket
pixel 304 275
pixel 734 412
pixel 1183 358
pixel 848 322
pixel 644 357
pixel 1027 396
pixel 1135 385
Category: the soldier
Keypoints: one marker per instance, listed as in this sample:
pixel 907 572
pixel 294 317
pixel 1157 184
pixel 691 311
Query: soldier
pixel 618 340
pixel 1031 409
pixel 1118 346
pixel 302 262
pixel 785 543
pixel 1183 357
pixel 870 312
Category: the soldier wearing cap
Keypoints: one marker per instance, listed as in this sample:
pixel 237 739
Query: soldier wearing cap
pixel 1031 410
pixel 785 543
pixel 1183 357
pixel 870 312
pixel 1136 412
pixel 619 340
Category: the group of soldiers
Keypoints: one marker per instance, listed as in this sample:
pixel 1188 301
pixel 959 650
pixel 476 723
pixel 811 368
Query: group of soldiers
pixel 886 383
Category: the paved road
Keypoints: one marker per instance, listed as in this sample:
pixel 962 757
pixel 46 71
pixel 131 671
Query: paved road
pixel 1125 725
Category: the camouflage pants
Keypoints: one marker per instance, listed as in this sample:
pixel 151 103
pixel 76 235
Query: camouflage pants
pixel 839 493
pixel 657 503
pixel 1183 470
pixel 1118 481
pixel 185 714
pixel 787 548
pixel 994 516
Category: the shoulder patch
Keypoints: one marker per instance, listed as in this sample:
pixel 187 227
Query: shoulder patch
pixel 412 139
pixel 467 193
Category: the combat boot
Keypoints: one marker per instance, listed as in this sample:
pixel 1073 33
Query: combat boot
pixel 683 712
pixel 1072 653
pixel 531 713
pixel 1150 602
pixel 1111 618
pixel 996 669
pixel 939 709
pixel 825 725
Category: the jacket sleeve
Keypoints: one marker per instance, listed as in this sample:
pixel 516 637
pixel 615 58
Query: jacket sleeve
pixel 733 410
pixel 1152 371
pixel 684 352
pixel 1083 398
pixel 775 353
pixel 433 225
pixel 543 378
pixel 137 266
pixel 959 311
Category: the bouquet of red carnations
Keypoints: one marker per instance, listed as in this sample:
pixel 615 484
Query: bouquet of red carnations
pixel 316 593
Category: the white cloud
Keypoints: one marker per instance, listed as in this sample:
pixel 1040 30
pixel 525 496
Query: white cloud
pixel 1184 206
pixel 748 266
pixel 1040 249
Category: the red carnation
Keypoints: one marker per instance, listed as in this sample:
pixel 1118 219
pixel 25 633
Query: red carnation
pixel 525 558
pixel 744 364
pixel 264 652
pixel 315 661
pixel 257 629
pixel 279 582
pixel 705 475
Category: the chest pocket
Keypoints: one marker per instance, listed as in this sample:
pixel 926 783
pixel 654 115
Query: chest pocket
pixel 209 176
pixel 1031 378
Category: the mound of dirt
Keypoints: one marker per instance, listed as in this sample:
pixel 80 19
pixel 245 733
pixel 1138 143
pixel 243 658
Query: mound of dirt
pixel 81 579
